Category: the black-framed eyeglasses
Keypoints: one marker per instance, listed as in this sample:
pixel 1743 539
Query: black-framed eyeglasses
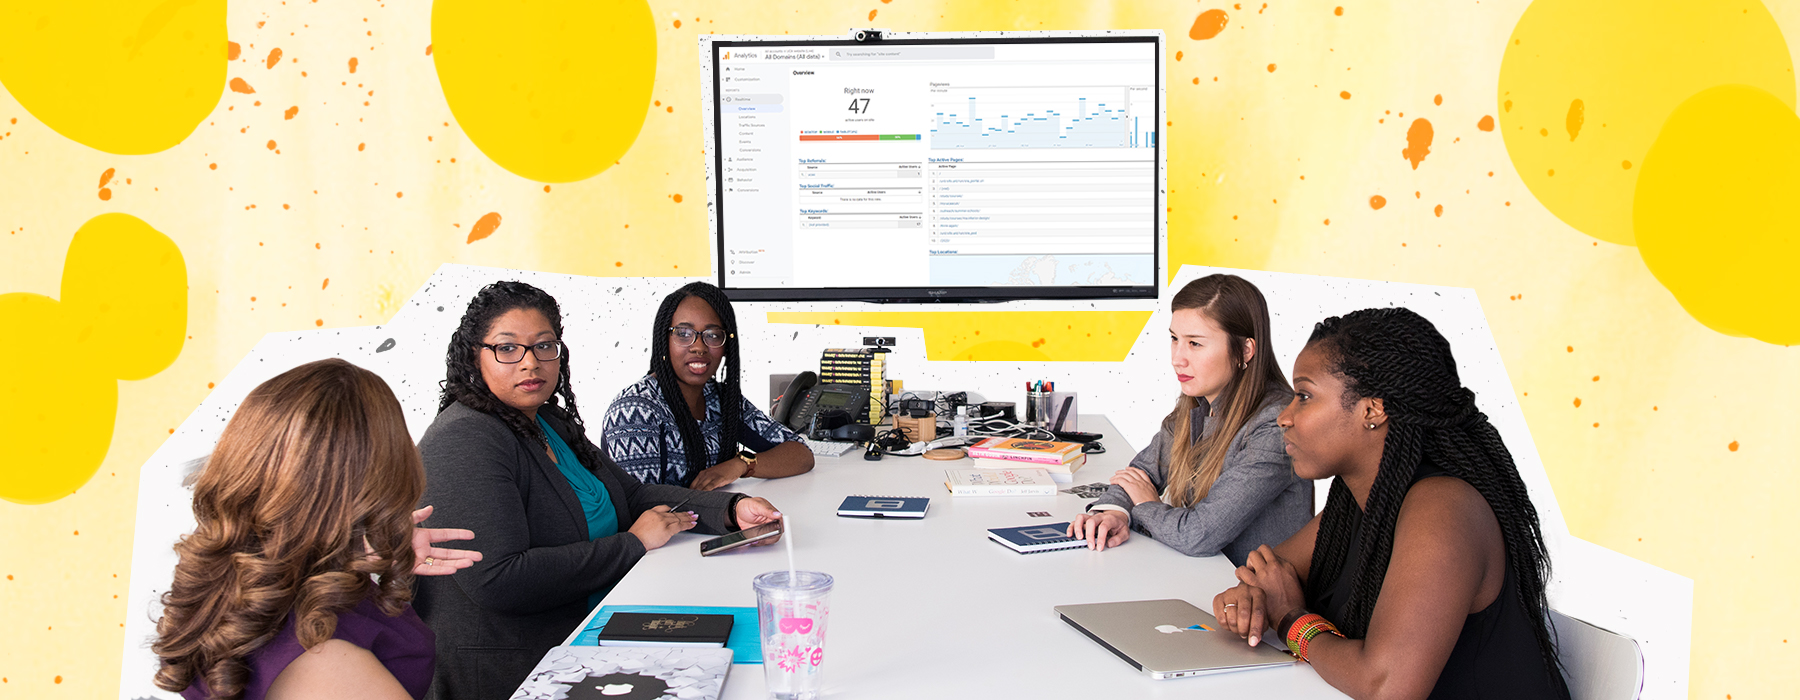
pixel 514 353
pixel 713 337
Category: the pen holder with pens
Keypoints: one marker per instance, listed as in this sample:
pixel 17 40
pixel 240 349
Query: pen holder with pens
pixel 1037 405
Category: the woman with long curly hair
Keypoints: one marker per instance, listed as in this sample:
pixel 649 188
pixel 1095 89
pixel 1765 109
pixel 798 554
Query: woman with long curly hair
pixel 681 424
pixel 297 577
pixel 1424 576
pixel 509 457
pixel 1214 479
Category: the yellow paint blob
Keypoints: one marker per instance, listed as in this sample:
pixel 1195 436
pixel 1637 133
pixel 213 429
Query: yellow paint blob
pixel 1629 63
pixel 1716 214
pixel 127 77
pixel 123 315
pixel 1013 336
pixel 555 90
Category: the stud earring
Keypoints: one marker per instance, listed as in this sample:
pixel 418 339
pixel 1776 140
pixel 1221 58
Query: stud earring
pixel 1371 426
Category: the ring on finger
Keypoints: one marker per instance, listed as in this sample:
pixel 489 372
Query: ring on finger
pixel 430 561
pixel 1231 605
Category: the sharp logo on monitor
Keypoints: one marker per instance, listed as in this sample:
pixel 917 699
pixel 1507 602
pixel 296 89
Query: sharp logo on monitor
pixel 939 167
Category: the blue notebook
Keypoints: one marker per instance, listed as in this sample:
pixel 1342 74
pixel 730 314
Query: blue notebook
pixel 884 507
pixel 745 646
pixel 1032 539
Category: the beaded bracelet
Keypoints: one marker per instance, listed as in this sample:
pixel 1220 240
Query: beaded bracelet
pixel 1301 632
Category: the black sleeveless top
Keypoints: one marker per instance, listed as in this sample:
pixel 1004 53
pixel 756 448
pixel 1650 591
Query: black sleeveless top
pixel 1496 656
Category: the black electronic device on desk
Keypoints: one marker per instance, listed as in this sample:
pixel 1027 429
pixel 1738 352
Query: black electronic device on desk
pixel 805 398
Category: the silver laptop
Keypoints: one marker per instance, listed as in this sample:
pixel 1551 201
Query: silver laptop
pixel 1169 638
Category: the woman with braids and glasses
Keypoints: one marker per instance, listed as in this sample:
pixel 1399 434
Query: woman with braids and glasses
pixel 296 579
pixel 508 457
pixel 1214 479
pixel 679 424
pixel 1424 576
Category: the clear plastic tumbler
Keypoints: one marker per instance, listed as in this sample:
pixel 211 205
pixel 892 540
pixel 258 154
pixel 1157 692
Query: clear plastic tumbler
pixel 792 616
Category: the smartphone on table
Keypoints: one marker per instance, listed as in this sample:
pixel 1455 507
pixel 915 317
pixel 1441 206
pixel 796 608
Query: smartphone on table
pixel 734 540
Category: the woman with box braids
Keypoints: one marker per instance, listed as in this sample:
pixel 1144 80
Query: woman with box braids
pixel 683 425
pixel 1428 517
pixel 663 368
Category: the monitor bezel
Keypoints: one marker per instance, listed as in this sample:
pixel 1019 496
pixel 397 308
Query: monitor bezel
pixel 712 46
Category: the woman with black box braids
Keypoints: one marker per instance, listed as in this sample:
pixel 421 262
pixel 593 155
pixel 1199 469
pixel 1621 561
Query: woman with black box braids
pixel 1457 563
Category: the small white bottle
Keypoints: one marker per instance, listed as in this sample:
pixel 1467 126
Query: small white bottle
pixel 959 427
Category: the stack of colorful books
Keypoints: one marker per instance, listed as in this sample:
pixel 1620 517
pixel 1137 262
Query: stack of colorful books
pixel 862 367
pixel 1061 459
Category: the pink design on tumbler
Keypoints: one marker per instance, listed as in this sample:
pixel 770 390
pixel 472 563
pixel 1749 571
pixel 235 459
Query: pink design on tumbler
pixel 796 625
pixel 818 654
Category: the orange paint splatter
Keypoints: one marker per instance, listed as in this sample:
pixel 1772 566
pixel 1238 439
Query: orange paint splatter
pixel 1486 123
pixel 428 49
pixel 360 146
pixel 872 14
pixel 212 166
pixel 1339 11
pixel 238 85
pixel 678 199
pixel 1733 446
pixel 1196 81
pixel 291 111
pixel 326 284
pixel 618 263
pixel 1377 202
pixel 271 144
pixel 353 64
pixel 1437 99
pixel 677 24
pixel 319 322
pixel 232 50
pixel 105 194
pixel 1177 55
pixel 274 58
pixel 1418 142
pixel 546 188
pixel 1626 164
pixel 1328 222
pixel 1578 402
pixel 484 226
pixel 1439 210
pixel 398 195
pixel 1271 68
pixel 1345 94
pixel 1208 25
pixel 106 177
pixel 1577 115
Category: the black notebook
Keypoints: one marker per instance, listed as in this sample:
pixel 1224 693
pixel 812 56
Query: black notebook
pixel 627 629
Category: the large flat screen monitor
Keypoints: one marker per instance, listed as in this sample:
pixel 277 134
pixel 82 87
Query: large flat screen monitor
pixel 918 168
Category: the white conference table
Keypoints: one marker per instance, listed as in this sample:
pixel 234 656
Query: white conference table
pixel 932 608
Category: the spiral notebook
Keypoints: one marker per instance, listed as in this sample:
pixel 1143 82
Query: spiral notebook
pixel 913 507
pixel 1032 539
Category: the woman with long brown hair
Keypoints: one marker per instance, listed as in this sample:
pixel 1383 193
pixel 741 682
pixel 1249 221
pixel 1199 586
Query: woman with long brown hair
pixel 297 578
pixel 1214 479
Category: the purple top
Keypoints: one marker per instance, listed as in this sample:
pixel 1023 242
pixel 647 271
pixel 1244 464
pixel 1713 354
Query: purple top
pixel 403 644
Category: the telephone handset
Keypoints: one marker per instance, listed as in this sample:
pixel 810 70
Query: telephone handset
pixel 805 397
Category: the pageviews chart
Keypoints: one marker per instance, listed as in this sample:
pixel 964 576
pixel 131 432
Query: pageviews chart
pixel 954 165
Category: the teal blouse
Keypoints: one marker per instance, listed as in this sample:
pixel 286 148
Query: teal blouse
pixel 596 502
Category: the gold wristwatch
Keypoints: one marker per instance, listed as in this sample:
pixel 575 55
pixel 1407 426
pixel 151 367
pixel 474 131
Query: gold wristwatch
pixel 749 463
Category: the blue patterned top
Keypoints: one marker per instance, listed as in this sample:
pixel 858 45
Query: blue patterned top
pixel 641 437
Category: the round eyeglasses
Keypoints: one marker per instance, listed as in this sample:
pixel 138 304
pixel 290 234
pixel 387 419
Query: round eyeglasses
pixel 514 353
pixel 713 337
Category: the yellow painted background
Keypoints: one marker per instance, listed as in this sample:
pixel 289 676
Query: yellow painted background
pixel 319 187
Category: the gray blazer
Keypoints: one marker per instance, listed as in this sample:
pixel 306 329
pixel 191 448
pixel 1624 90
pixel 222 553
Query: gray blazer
pixel 1257 499
pixel 496 619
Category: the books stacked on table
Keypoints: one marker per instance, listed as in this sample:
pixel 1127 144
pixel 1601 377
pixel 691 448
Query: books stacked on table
pixel 861 367
pixel 1061 459
pixel 999 482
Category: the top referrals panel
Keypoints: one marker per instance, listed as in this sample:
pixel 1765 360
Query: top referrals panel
pixel 912 166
